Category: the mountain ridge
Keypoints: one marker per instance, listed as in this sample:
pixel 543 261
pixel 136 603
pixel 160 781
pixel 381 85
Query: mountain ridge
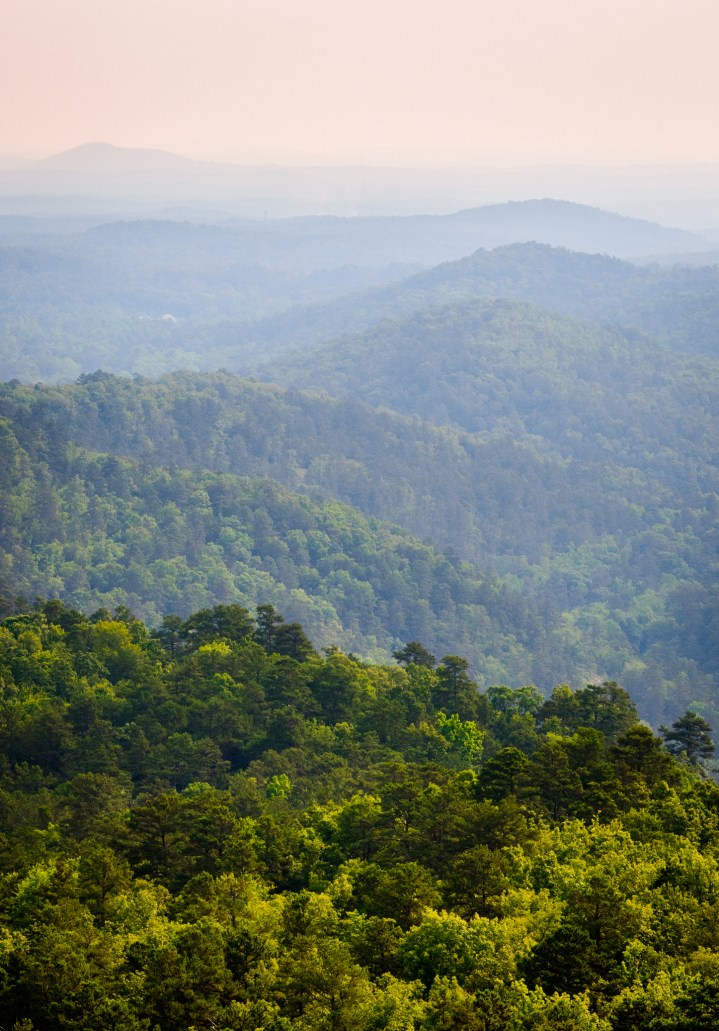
pixel 676 306
pixel 255 187
pixel 101 156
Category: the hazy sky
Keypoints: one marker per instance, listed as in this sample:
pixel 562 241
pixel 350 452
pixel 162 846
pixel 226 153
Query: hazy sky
pixel 413 80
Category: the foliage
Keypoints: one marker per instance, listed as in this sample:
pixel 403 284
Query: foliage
pixel 622 588
pixel 100 531
pixel 199 830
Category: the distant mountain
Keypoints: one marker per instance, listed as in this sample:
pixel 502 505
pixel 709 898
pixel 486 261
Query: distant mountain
pixel 156 179
pixel 104 157
pixel 429 239
pixel 72 301
pixel 321 241
pixel 575 226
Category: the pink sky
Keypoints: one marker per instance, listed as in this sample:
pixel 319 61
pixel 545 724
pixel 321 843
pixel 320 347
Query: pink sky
pixel 376 80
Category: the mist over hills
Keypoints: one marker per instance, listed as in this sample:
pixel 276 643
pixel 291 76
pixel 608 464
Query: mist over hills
pixel 76 297
pixel 359 523
pixel 545 414
pixel 428 239
pixel 677 306
pixel 84 177
pixel 481 362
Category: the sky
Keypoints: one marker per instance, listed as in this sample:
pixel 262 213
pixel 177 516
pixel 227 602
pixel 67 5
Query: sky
pixel 373 81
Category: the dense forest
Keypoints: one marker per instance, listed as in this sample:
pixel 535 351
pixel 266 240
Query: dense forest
pixel 626 428
pixel 588 523
pixel 374 693
pixel 212 825
pixel 102 530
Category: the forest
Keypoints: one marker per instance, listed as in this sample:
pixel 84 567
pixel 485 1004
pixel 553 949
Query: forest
pixel 549 532
pixel 359 624
pixel 212 824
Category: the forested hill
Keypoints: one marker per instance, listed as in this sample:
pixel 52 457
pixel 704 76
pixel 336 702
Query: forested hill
pixel 146 297
pixel 607 520
pixel 676 306
pixel 213 826
pixel 98 530
pixel 480 365
pixel 594 399
pixel 386 464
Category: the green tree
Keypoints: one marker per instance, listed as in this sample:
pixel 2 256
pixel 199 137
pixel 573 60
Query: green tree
pixel 101 875
pixel 502 774
pixel 415 654
pixel 230 622
pixel 169 634
pixel 475 881
pixel 638 752
pixel 690 736
pixel 455 691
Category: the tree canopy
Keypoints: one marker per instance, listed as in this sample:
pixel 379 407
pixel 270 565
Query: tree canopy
pixel 200 828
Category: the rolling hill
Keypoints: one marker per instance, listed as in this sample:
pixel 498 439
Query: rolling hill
pixel 77 298
pixel 601 518
pixel 676 306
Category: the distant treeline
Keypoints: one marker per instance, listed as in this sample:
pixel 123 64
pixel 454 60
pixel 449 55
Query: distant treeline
pixel 73 302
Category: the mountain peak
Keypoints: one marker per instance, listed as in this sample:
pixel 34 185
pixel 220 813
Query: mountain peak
pixel 99 156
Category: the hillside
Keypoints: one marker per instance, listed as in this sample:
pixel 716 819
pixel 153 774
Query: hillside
pixel 676 306
pixel 97 530
pixel 634 414
pixel 590 520
pixel 476 364
pixel 75 297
